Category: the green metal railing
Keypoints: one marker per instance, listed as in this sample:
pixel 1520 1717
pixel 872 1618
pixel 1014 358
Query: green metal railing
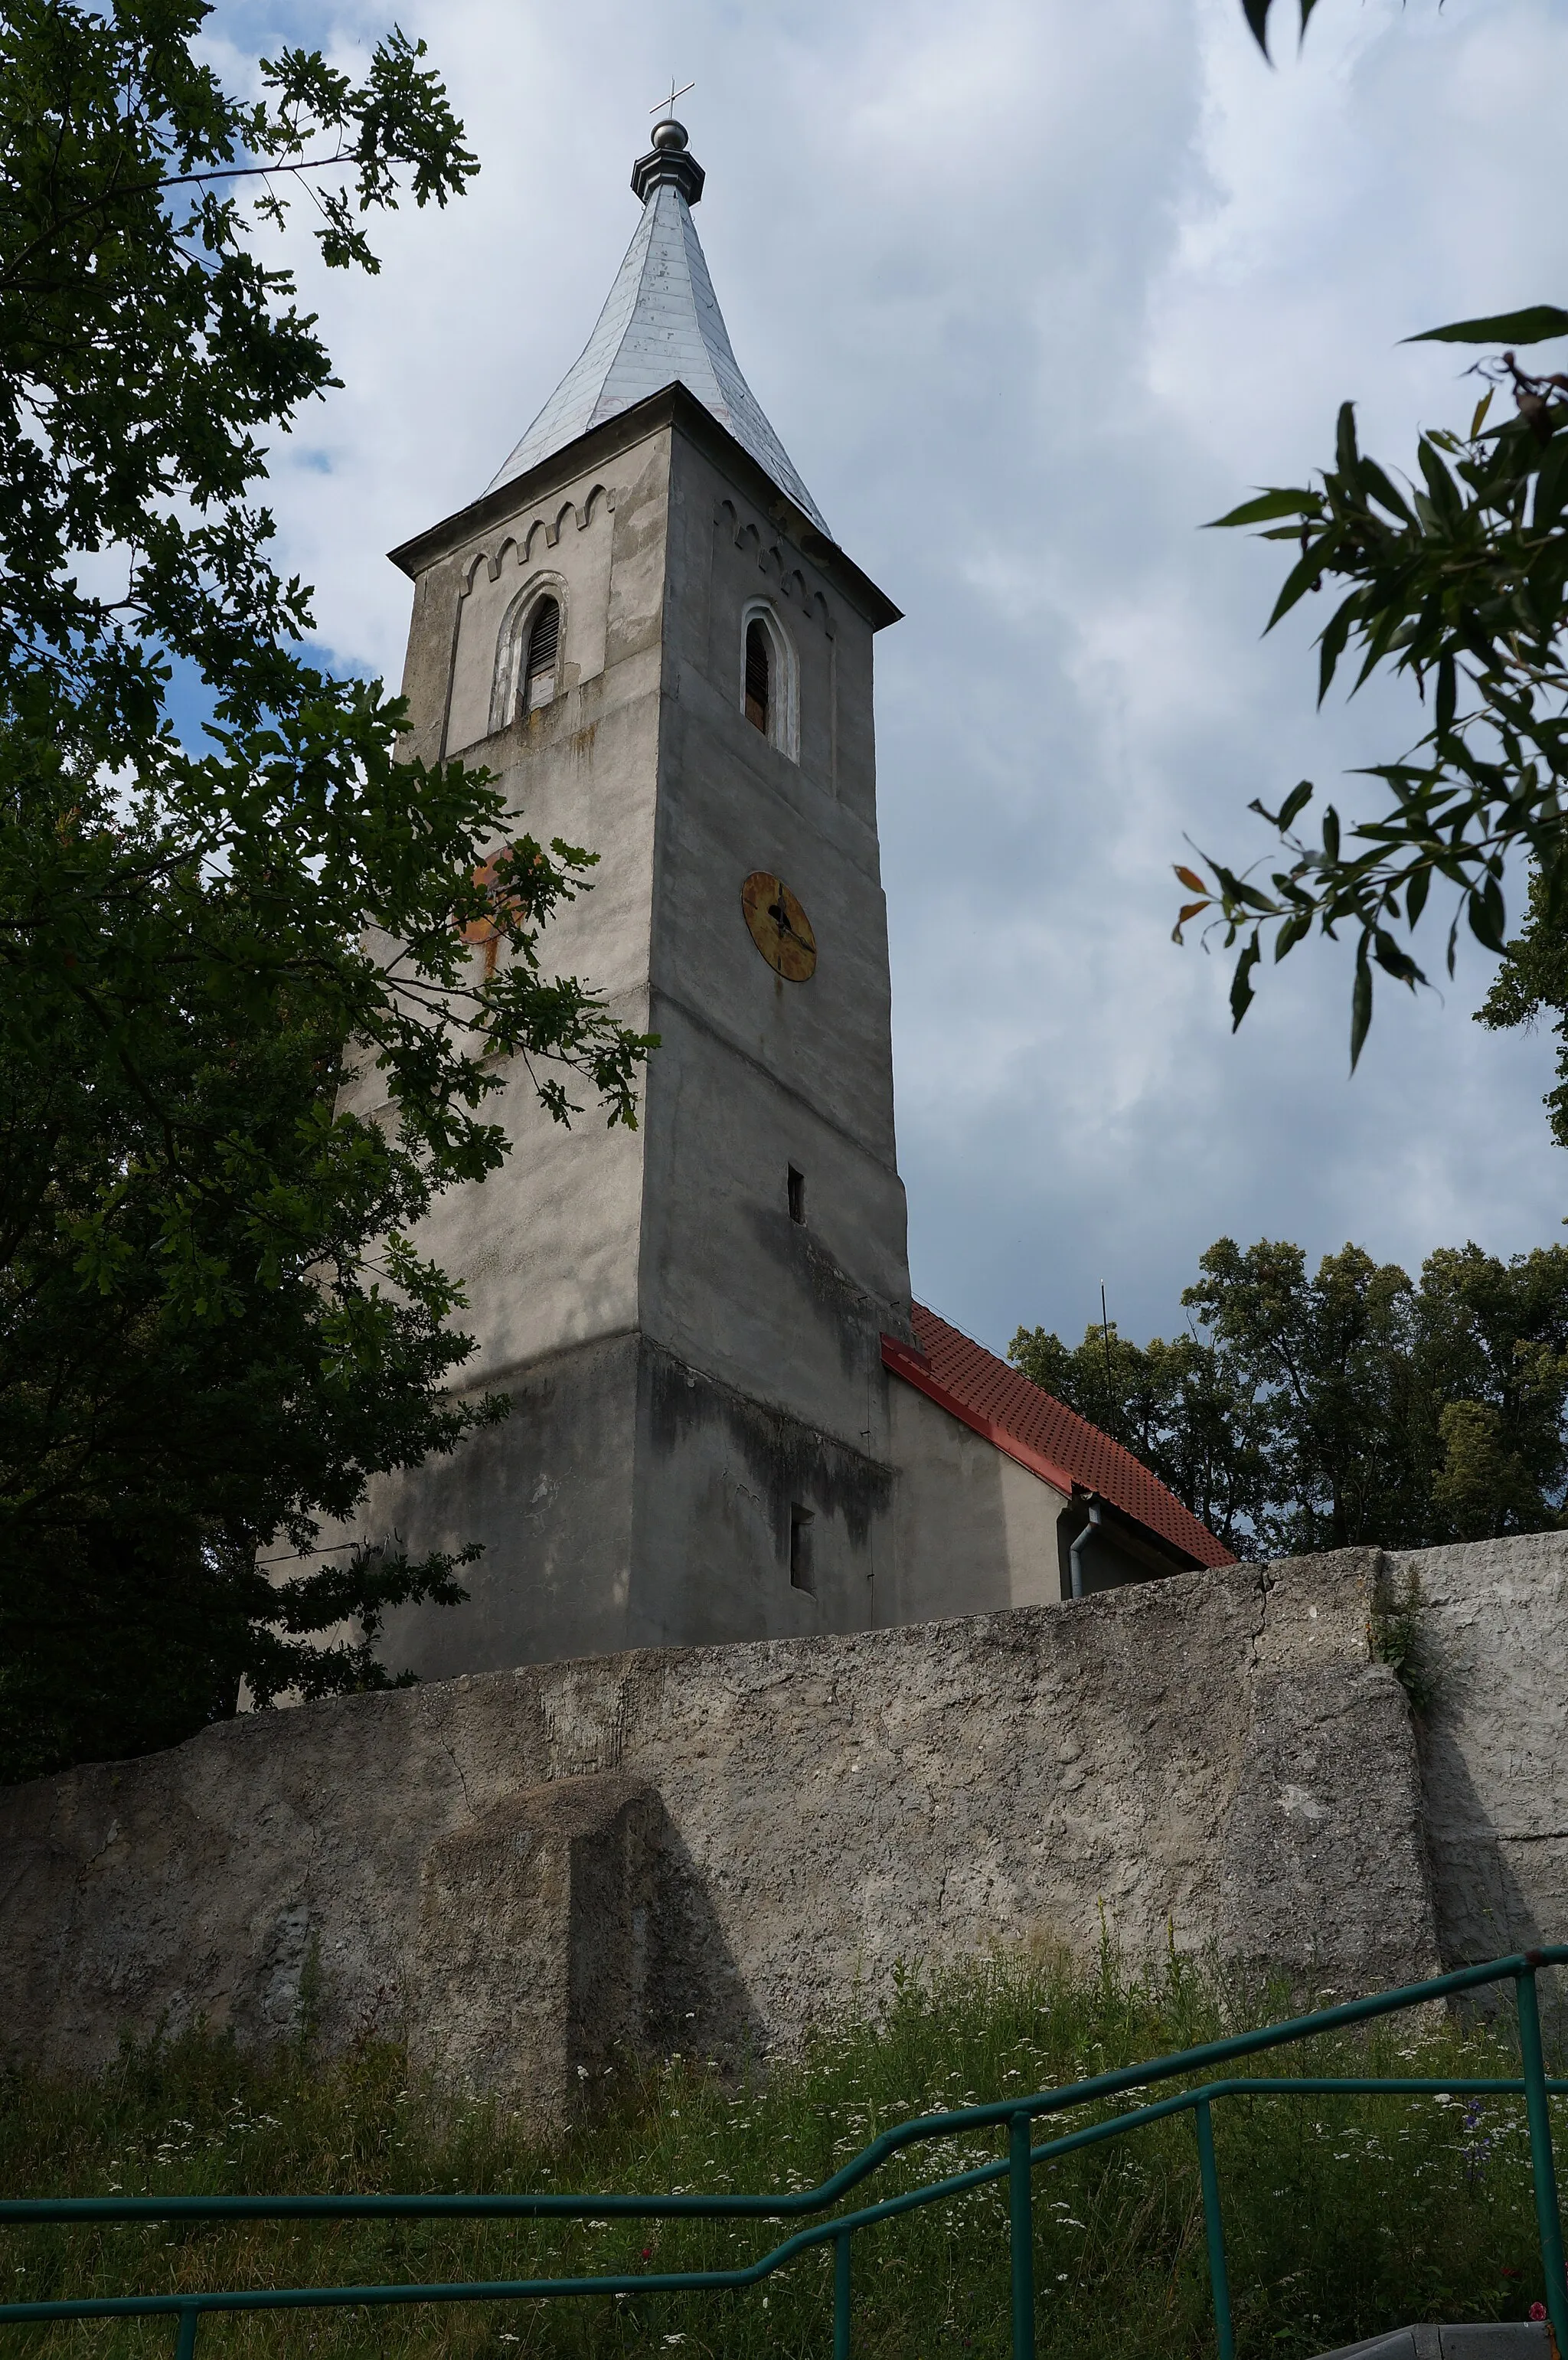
pixel 1016 2167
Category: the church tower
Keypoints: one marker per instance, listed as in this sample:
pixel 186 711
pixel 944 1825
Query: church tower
pixel 645 628
pixel 728 1419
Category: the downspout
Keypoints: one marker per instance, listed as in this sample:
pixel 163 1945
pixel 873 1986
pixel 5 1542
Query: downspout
pixel 1074 1554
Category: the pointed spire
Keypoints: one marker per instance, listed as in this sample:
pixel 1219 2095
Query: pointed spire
pixel 661 325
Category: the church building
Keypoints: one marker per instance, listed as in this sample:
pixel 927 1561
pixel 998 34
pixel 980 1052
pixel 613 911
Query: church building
pixel 730 1421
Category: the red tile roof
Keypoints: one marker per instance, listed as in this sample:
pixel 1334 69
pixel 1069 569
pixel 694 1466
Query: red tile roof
pixel 1043 1434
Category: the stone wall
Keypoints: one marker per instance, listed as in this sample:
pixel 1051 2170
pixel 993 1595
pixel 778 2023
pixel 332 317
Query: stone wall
pixel 1494 1625
pixel 706 1848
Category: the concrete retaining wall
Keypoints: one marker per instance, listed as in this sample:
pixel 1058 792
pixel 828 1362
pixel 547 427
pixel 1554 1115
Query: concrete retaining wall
pixel 708 1847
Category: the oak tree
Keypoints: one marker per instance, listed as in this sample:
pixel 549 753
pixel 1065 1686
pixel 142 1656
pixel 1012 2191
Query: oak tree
pixel 1307 1410
pixel 214 1326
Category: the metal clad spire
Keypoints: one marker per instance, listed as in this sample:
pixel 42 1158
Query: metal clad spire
pixel 661 326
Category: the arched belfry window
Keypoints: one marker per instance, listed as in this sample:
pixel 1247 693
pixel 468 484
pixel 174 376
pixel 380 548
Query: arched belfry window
pixel 541 665
pixel 770 690
pixel 529 650
pixel 758 675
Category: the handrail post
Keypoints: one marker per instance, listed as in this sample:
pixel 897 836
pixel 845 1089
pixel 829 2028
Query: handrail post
pixel 840 2295
pixel 1544 2172
pixel 185 2345
pixel 1020 2210
pixel 1213 2229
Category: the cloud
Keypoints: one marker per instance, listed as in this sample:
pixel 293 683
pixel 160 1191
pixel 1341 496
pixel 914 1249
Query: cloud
pixel 1028 293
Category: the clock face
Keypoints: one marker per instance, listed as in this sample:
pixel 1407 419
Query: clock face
pixel 779 927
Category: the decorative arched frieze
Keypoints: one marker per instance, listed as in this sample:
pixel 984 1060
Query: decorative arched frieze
pixel 773 562
pixel 496 582
pixel 518 542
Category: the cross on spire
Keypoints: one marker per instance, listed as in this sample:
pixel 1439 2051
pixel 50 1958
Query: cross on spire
pixel 665 106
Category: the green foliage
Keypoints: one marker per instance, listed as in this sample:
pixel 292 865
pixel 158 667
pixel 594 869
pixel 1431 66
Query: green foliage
pixel 1399 1639
pixel 213 1325
pixel 1534 326
pixel 1311 1412
pixel 1460 582
pixel 1530 983
pixel 1458 579
pixel 1181 1407
pixel 142 344
pixel 1342 2217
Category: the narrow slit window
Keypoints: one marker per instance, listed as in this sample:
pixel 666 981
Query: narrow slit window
pixel 802 1576
pixel 758 677
pixel 797 1193
pixel 544 648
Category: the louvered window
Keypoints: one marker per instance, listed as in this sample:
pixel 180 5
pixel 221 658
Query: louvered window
pixel 758 681
pixel 544 647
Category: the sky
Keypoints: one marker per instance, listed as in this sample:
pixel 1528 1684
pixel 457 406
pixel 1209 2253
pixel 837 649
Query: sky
pixel 1029 290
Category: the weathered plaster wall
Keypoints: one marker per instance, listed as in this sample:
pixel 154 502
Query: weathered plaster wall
pixel 549 1250
pixel 973 1530
pixel 1493 1624
pixel 721 1475
pixel 550 1492
pixel 748 1835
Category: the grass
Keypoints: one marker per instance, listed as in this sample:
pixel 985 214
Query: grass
pixel 1342 2217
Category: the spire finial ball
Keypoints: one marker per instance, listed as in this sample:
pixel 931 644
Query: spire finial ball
pixel 667 164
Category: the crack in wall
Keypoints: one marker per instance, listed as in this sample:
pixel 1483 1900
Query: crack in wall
pixel 94 1858
pixel 1260 1589
pixel 452 1757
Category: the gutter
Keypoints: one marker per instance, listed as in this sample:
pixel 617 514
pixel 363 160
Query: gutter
pixel 1075 1552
